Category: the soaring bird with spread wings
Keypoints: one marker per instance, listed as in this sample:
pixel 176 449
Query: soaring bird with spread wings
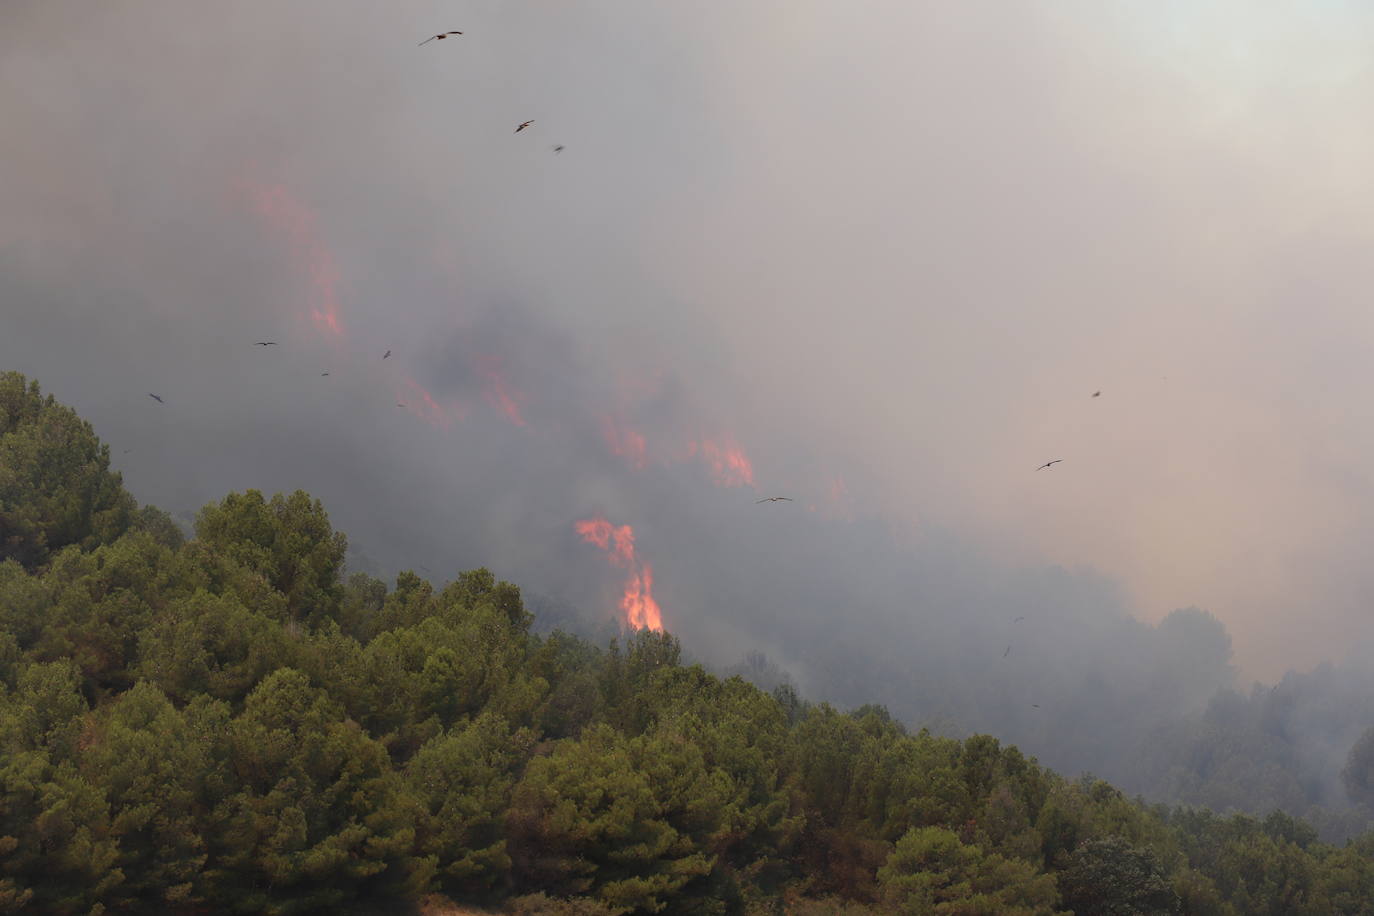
pixel 155 397
pixel 1049 463
pixel 265 343
pixel 523 125
pixel 440 37
pixel 774 499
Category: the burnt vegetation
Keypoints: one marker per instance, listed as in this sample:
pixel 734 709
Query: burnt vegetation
pixel 226 721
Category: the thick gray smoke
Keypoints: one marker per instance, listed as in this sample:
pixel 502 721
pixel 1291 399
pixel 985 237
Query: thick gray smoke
pixel 883 252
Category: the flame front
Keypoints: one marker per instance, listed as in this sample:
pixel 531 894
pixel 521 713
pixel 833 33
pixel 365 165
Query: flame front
pixel 422 404
pixel 296 221
pixel 497 388
pixel 637 603
pixel 729 465
pixel 641 610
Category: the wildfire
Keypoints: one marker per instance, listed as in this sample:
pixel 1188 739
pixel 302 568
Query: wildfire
pixel 423 405
pixel 296 221
pixel 727 461
pixel 728 464
pixel 498 390
pixel 641 610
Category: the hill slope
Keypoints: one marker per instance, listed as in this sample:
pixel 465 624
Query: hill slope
pixel 227 724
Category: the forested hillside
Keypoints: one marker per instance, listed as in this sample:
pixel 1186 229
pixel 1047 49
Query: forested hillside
pixel 228 723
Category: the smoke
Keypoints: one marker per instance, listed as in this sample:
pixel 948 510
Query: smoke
pixel 873 259
pixel 289 217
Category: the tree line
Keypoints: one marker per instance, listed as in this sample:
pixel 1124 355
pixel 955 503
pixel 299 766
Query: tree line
pixel 227 722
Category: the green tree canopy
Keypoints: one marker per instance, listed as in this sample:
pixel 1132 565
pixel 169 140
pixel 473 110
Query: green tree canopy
pixel 56 486
pixel 932 871
pixel 221 725
pixel 288 540
pixel 1109 876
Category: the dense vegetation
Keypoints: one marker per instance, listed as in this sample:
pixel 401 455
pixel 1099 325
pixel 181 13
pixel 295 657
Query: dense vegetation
pixel 226 724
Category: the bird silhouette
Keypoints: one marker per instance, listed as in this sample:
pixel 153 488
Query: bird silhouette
pixel 155 397
pixel 1097 394
pixel 1048 463
pixel 523 125
pixel 265 343
pixel 1006 653
pixel 774 499
pixel 386 354
pixel 440 37
pixel 1019 619
pixel 322 374
pixel 1035 705
pixel 558 148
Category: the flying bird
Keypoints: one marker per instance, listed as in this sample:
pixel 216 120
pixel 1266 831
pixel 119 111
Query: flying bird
pixel 774 499
pixel 155 397
pixel 386 354
pixel 440 37
pixel 1097 394
pixel 265 343
pixel 523 126
pixel 556 149
pixel 1019 619
pixel 1048 463
pixel 322 374
pixel 1035 705
pixel 1006 653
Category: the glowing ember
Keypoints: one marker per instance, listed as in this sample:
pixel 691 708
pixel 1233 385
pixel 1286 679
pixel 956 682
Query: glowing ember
pixel 498 390
pixel 289 216
pixel 641 610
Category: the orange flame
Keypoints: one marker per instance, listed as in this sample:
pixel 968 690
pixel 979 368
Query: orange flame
pixel 497 389
pixel 727 461
pixel 729 465
pixel 641 610
pixel 423 405
pixel 296 221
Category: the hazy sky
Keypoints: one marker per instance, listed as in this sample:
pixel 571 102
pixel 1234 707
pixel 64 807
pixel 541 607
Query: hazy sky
pixel 885 250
